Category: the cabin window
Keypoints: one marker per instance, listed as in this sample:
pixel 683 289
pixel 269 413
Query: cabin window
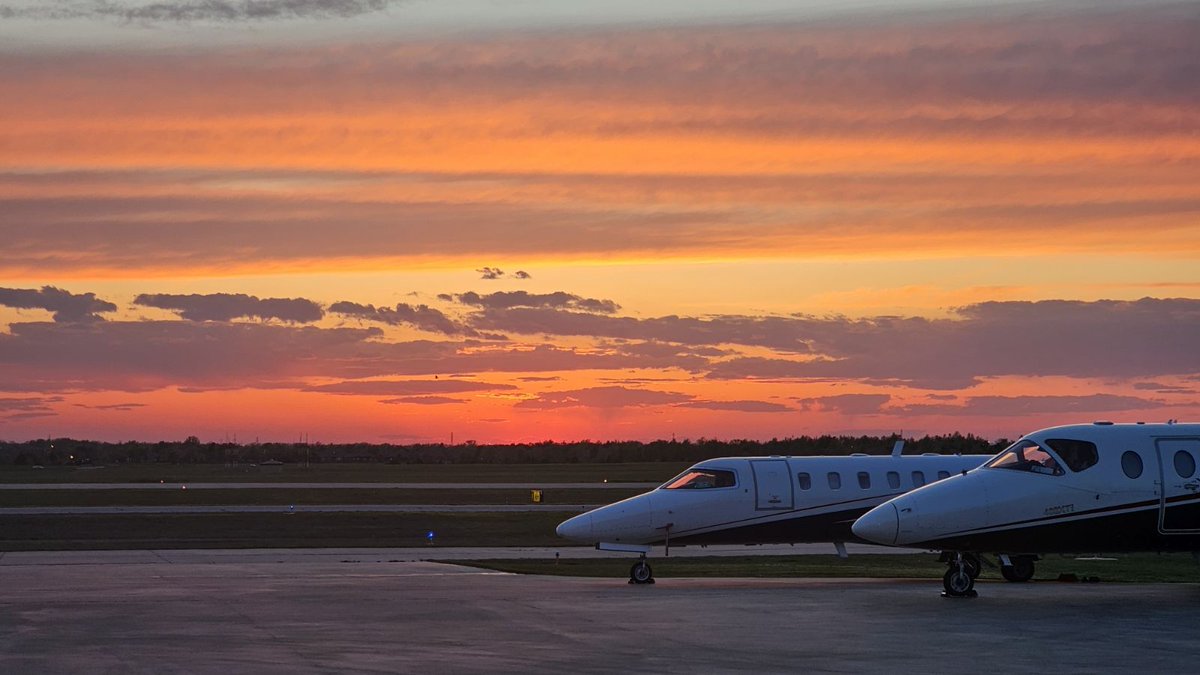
pixel 805 481
pixel 702 479
pixel 1026 456
pixel 864 480
pixel 918 478
pixel 835 480
pixel 1131 464
pixel 1185 464
pixel 1077 455
pixel 942 475
pixel 893 480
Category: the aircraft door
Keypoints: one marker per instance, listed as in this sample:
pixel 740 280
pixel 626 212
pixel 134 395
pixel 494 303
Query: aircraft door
pixel 772 484
pixel 1179 474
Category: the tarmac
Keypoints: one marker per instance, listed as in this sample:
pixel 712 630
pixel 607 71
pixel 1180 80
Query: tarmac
pixel 404 554
pixel 307 615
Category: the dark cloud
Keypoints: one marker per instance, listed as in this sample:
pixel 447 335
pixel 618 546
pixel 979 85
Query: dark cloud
pixel 1149 341
pixel 657 349
pixel 602 397
pixel 206 356
pixel 19 409
pixel 556 300
pixel 490 273
pixel 29 404
pixel 119 407
pixel 1107 338
pixel 67 307
pixel 187 11
pixel 1021 406
pixel 239 230
pixel 419 316
pixel 847 404
pixel 147 355
pixel 230 306
pixel 522 274
pixel 780 333
pixel 422 400
pixel 127 233
pixel 1161 388
pixel 407 387
pixel 18 417
pixel 738 406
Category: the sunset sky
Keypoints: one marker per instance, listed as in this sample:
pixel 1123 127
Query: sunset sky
pixel 526 220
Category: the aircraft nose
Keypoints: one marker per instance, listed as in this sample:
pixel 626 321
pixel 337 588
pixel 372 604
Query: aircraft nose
pixel 578 528
pixel 880 525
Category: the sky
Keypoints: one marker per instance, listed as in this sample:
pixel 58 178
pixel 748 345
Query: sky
pixel 524 220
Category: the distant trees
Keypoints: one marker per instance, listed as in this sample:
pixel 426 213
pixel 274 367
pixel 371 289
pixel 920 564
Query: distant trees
pixel 191 451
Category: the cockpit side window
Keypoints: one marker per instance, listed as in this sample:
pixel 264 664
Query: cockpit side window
pixel 702 479
pixel 1028 456
pixel 1077 455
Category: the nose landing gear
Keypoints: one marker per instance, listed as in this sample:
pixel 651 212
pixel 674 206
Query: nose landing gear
pixel 959 580
pixel 641 573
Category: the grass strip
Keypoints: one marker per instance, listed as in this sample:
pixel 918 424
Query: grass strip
pixel 636 472
pixel 276 530
pixel 286 497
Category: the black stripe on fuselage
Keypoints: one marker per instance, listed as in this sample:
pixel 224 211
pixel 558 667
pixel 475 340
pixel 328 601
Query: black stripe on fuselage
pixel 1111 529
pixel 800 526
pixel 1179 499
pixel 862 507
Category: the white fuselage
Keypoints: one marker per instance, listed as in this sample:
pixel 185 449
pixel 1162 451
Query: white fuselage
pixel 762 500
pixel 1077 488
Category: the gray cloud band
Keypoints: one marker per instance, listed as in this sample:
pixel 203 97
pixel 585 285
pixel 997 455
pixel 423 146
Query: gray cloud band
pixel 186 11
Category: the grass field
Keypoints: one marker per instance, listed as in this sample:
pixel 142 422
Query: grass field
pixel 636 472
pixel 277 530
pixel 285 497
pixel 1140 567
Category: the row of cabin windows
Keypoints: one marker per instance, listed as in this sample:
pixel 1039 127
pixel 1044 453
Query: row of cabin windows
pixel 864 479
pixel 1185 464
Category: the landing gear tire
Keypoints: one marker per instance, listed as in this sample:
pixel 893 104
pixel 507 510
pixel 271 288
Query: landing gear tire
pixel 1019 571
pixel 958 582
pixel 641 573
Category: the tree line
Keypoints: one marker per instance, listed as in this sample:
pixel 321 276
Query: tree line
pixel 67 451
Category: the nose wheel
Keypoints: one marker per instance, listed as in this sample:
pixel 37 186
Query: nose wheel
pixel 641 573
pixel 959 580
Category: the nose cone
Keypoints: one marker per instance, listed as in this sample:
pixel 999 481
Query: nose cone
pixel 628 521
pixel 880 525
pixel 578 528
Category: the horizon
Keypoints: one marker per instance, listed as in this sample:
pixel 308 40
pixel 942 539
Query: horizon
pixel 386 221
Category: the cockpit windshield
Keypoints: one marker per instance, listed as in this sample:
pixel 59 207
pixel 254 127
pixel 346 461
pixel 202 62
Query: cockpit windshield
pixel 1025 455
pixel 700 479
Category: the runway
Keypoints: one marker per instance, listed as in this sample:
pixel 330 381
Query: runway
pixel 374 617
pixel 328 486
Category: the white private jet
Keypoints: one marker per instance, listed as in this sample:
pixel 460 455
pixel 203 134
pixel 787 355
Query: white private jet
pixel 1071 489
pixel 759 500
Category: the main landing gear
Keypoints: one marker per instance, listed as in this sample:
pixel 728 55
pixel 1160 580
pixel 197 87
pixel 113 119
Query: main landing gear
pixel 1017 568
pixel 959 580
pixel 641 573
